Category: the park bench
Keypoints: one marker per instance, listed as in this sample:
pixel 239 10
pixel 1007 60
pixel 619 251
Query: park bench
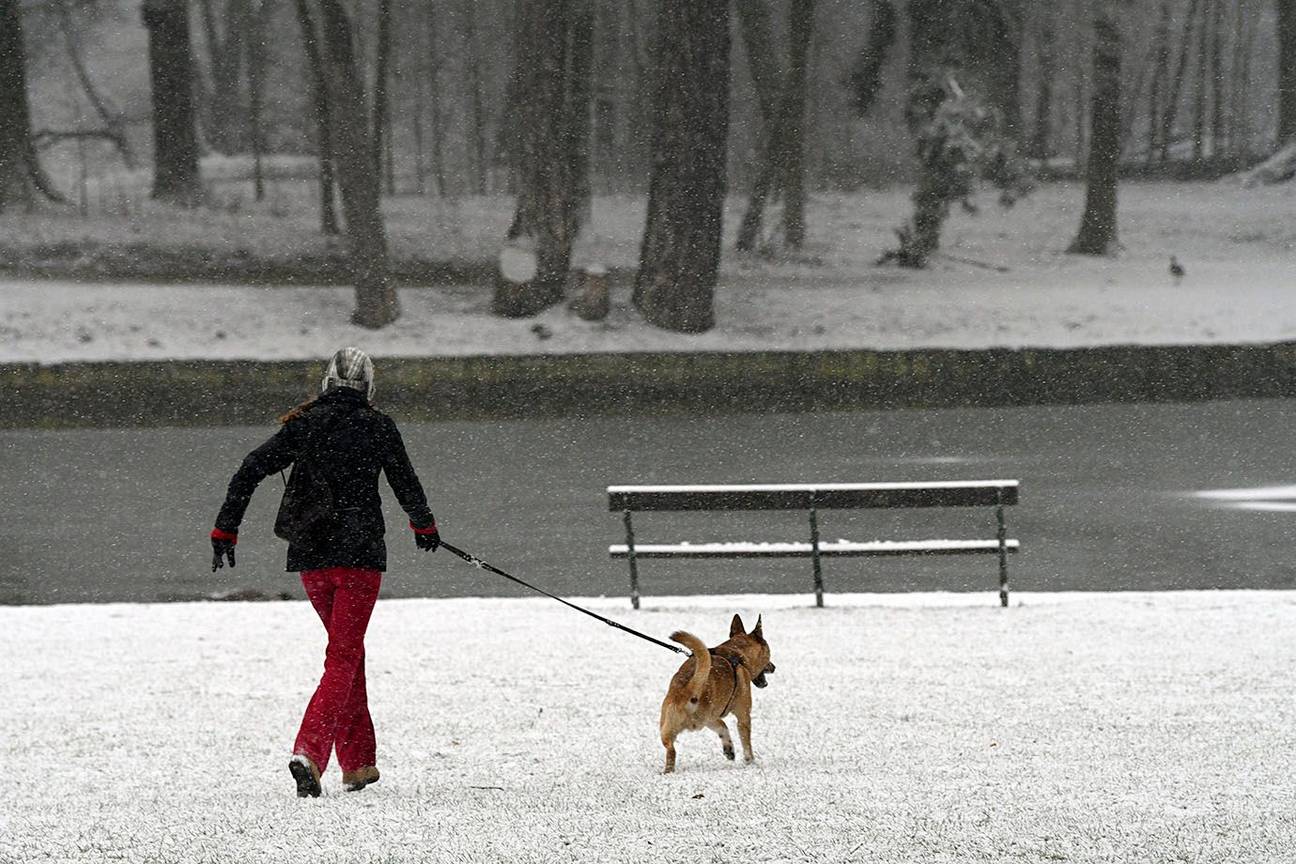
pixel 813 498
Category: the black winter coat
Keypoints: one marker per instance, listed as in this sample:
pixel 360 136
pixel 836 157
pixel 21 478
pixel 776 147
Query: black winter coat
pixel 350 442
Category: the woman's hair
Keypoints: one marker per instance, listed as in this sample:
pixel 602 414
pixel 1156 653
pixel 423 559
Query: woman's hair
pixel 301 409
pixel 348 367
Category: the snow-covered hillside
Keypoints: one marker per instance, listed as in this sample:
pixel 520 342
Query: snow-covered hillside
pixel 1237 245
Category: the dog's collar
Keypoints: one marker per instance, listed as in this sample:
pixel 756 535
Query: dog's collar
pixel 734 660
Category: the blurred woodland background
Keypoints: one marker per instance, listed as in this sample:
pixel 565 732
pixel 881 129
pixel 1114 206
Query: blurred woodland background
pixel 688 102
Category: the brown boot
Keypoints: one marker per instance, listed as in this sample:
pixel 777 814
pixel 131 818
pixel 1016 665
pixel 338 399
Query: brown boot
pixel 354 781
pixel 307 775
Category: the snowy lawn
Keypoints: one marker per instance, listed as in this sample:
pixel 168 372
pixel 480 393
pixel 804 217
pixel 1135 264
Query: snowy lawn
pixel 1131 727
pixel 1237 245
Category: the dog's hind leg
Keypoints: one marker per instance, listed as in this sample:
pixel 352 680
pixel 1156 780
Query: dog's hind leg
pixel 722 729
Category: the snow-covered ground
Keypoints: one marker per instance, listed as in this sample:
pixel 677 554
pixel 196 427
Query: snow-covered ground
pixel 1237 245
pixel 1084 728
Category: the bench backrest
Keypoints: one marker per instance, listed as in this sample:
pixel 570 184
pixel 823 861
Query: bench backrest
pixel 804 496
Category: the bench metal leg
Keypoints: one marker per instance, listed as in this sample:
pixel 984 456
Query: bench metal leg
pixel 634 569
pixel 1003 556
pixel 814 557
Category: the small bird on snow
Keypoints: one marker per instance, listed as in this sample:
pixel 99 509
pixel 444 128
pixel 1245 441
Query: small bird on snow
pixel 1176 269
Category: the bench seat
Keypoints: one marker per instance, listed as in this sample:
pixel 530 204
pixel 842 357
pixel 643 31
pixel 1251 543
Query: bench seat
pixel 838 549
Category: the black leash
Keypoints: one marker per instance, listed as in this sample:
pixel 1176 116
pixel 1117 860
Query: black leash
pixel 480 564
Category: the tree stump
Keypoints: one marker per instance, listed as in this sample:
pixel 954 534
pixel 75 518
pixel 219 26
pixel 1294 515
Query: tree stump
pixel 593 303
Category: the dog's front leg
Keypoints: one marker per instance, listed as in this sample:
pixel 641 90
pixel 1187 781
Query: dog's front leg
pixel 744 732
pixel 669 743
pixel 722 730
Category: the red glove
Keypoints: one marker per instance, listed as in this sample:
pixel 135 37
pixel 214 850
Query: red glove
pixel 223 543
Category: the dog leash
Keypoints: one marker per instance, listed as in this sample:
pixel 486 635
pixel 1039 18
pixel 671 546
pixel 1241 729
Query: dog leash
pixel 482 565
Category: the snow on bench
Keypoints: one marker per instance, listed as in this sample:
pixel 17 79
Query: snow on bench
pixel 814 497
pixel 830 549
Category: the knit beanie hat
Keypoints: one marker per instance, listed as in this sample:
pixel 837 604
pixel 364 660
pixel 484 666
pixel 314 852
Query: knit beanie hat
pixel 350 367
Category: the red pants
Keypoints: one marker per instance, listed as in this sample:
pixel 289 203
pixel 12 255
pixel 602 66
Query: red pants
pixel 338 713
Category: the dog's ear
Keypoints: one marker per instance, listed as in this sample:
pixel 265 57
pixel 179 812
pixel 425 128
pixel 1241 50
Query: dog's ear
pixel 756 633
pixel 736 625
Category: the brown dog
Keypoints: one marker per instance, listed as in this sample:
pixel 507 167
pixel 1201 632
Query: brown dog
pixel 712 684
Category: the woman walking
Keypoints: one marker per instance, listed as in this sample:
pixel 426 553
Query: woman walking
pixel 332 517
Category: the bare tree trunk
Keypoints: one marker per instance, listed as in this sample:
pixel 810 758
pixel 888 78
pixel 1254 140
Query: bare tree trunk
pixel 762 59
pixel 382 74
pixel 551 153
pixel 388 165
pixel 767 80
pixel 1217 79
pixel 476 107
pixel 229 111
pixel 1003 69
pixel 211 32
pixel 816 134
pixel 1133 89
pixel 1247 52
pixel 783 152
pixel 323 120
pixel 762 190
pixel 225 52
pixel 1176 86
pixel 1040 146
pixel 1161 42
pixel 800 34
pixel 376 303
pixel 212 40
pixel 1237 29
pixel 1097 234
pixel 16 187
pixel 175 141
pixel 865 78
pixel 1078 100
pixel 1199 92
pixel 1286 70
pixel 639 139
pixel 608 72
pixel 579 123
pixel 434 100
pixel 680 256
pixel 256 60
pixel 416 118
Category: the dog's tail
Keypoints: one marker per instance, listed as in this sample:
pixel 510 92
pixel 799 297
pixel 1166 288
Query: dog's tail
pixel 701 659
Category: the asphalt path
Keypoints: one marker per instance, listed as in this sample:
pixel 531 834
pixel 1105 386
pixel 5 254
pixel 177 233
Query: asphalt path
pixel 1107 502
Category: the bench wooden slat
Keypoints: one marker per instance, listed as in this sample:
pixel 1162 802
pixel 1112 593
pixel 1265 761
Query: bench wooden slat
pixel 835 549
pixel 801 496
